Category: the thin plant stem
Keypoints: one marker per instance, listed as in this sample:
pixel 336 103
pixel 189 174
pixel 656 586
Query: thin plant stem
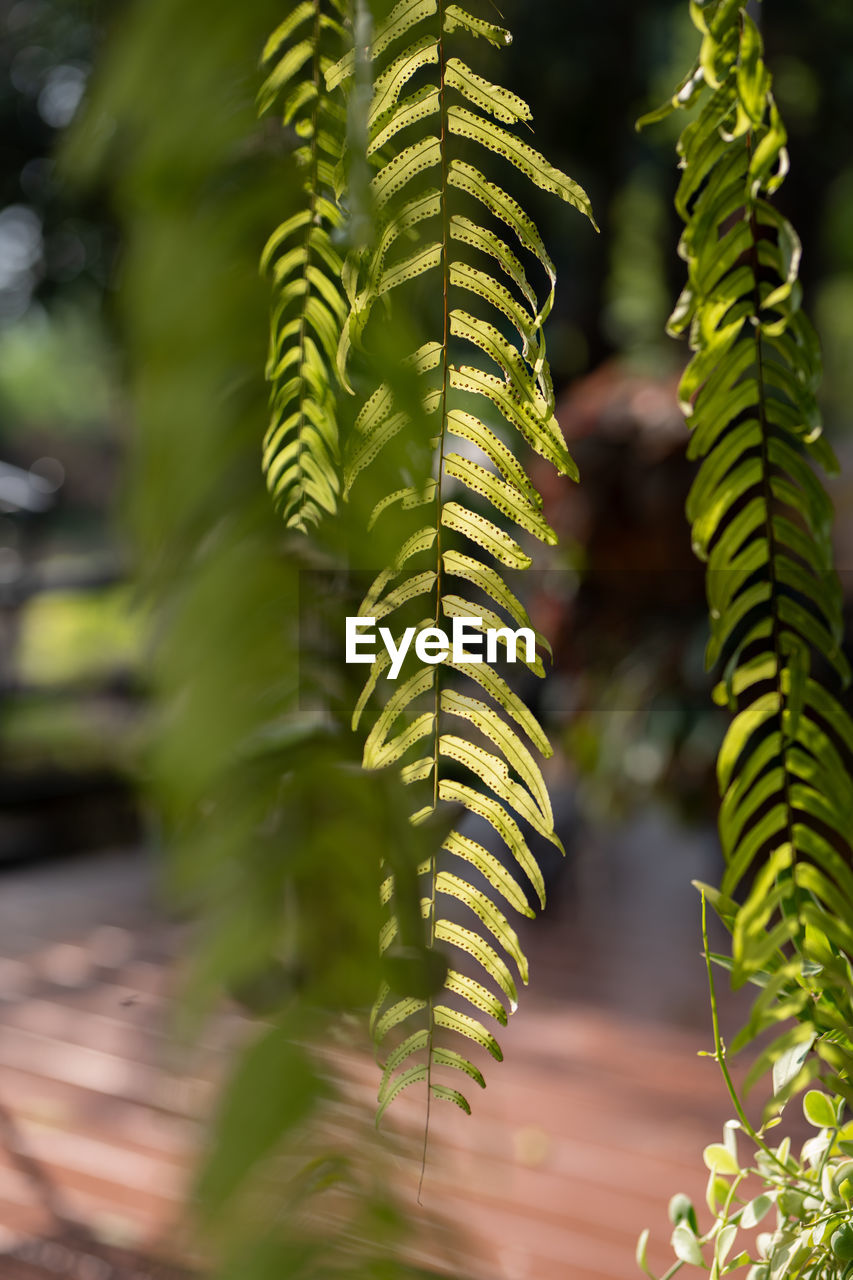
pixel 676 1266
pixel 720 1050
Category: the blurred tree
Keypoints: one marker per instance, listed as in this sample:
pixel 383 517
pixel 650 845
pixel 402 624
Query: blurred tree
pixel 49 245
pixel 273 833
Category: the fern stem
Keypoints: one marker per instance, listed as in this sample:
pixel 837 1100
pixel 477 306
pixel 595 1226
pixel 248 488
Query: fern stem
pixel 772 550
pixel 673 1270
pixel 445 338
pixel 445 280
pixel 312 206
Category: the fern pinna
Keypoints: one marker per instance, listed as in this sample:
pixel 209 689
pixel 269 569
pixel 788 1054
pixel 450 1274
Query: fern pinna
pixel 444 226
pixel 301 450
pixel 761 520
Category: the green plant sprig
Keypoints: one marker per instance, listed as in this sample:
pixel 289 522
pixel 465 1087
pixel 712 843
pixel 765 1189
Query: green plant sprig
pixel 809 1193
pixel 719 1053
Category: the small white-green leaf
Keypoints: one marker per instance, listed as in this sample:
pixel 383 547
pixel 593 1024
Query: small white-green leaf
pixel 641 1254
pixel 818 1109
pixel 686 1246
pixel 756 1209
pixel 789 1064
pixel 720 1159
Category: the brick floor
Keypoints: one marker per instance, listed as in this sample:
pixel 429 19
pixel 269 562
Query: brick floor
pixel 596 1117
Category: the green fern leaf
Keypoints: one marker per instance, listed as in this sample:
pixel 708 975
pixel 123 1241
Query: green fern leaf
pixel 442 235
pixel 762 520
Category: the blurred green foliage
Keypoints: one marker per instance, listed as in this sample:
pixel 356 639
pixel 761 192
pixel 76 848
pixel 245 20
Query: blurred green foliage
pixel 274 836
pixel 48 48
pixel 67 637
pixel 56 373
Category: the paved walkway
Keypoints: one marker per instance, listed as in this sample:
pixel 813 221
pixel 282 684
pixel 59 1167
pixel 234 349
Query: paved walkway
pixel 594 1120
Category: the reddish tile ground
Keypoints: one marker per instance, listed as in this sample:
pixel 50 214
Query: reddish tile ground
pixel 596 1117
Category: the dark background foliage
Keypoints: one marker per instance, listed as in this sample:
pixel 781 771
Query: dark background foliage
pixel 63 377
pixel 584 105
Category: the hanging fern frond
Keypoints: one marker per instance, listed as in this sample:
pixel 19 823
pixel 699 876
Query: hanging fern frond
pixel 449 234
pixel 303 259
pixel 761 520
